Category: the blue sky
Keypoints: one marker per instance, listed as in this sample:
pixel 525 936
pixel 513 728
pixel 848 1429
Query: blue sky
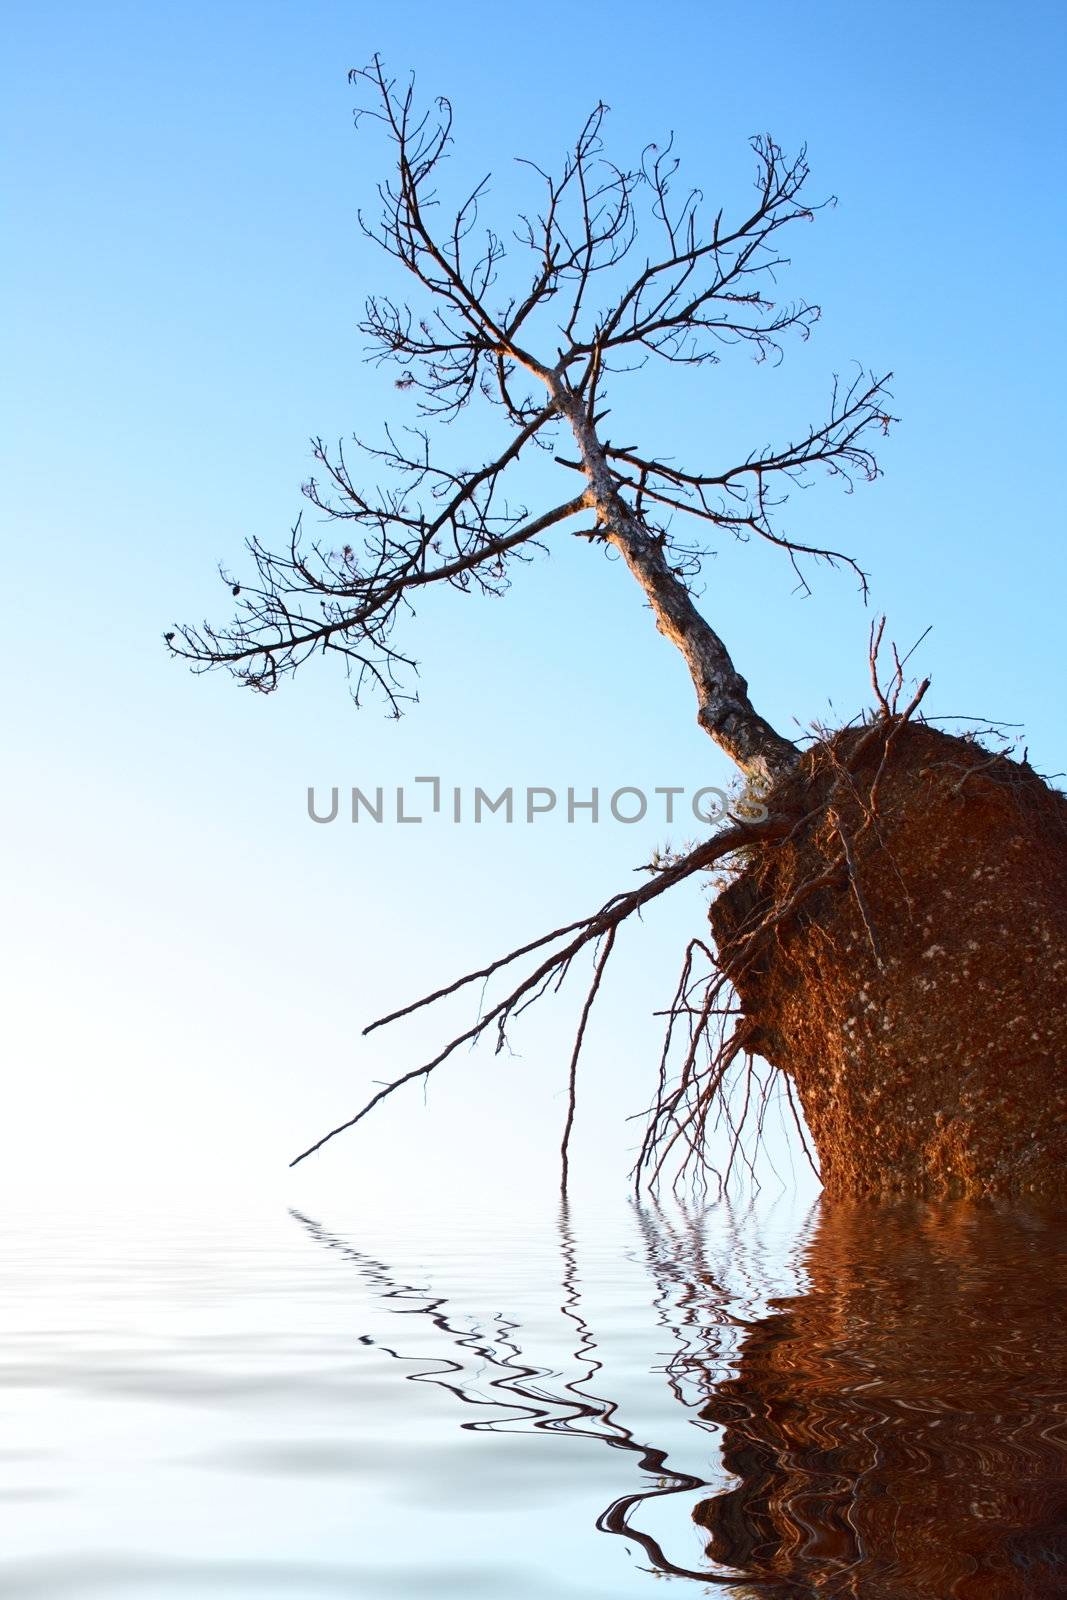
pixel 190 960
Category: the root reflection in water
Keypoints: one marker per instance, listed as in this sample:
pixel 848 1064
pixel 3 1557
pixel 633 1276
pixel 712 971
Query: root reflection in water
pixel 897 1431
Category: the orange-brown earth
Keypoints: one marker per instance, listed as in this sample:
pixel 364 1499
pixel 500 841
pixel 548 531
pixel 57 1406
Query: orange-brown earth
pixel 920 1008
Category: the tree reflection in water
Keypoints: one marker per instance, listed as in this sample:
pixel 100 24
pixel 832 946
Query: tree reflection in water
pixel 896 1431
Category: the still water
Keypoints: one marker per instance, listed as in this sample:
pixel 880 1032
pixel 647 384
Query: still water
pixel 864 1401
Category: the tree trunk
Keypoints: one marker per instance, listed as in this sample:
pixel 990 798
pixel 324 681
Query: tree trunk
pixel 724 709
pixel 912 980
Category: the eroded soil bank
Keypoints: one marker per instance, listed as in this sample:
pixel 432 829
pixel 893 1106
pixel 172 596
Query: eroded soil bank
pixel 911 971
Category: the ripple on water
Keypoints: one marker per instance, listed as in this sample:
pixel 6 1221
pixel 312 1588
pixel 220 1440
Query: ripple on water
pixel 863 1400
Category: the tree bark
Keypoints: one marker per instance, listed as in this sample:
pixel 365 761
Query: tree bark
pixel 724 709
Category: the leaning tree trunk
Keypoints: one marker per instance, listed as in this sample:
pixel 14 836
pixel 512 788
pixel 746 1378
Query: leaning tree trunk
pixel 902 955
pixel 912 972
pixel 724 709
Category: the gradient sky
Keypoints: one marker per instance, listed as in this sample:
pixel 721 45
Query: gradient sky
pixel 189 960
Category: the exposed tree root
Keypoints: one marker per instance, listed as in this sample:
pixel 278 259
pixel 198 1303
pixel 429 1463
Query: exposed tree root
pixel 827 899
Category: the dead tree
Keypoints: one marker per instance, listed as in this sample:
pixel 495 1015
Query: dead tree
pixel 615 268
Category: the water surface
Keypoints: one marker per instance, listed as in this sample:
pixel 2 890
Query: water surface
pixel 863 1401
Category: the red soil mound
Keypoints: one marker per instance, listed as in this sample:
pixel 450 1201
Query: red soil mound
pixel 918 997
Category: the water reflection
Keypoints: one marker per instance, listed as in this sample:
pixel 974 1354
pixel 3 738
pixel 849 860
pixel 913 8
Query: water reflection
pixel 897 1430
pixel 525 1395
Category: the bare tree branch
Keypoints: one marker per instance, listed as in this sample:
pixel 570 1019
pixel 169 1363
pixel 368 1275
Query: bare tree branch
pixel 583 317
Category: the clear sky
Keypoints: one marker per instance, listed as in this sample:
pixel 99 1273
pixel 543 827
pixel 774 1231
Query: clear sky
pixel 188 959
